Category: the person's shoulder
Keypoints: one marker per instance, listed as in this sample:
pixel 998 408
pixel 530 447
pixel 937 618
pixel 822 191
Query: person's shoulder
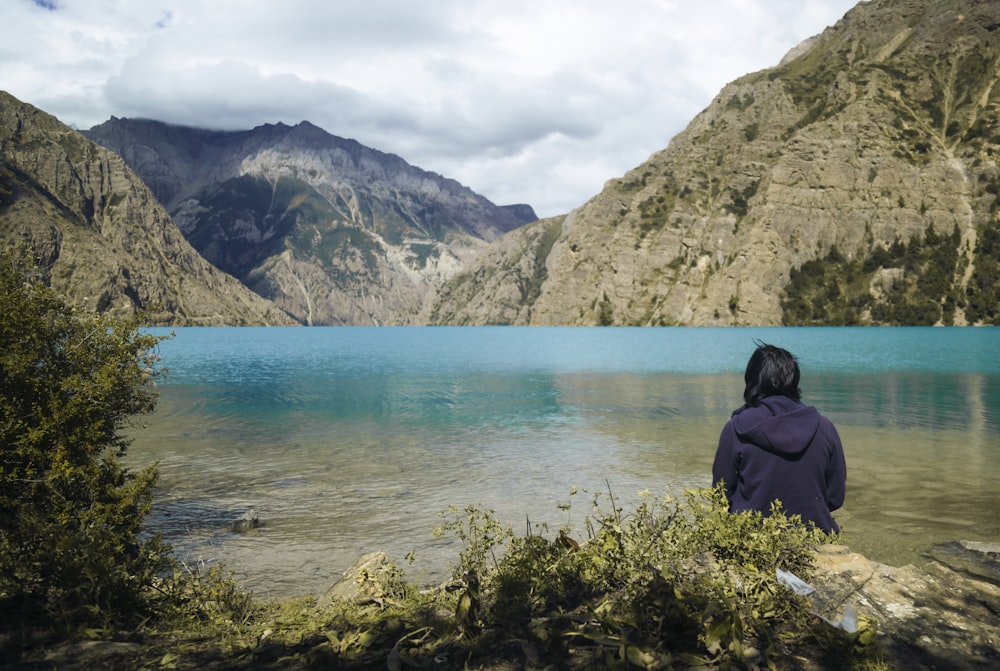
pixel 826 424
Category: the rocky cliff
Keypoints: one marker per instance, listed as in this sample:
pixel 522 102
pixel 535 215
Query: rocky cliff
pixel 330 230
pixel 856 182
pixel 98 234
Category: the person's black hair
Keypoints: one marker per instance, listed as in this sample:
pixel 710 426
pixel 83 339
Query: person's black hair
pixel 771 371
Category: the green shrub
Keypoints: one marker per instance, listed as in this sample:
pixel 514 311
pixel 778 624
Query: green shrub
pixel 678 579
pixel 71 554
pixel 199 595
pixel 605 312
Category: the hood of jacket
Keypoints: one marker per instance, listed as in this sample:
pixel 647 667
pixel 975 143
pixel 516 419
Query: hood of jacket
pixel 778 424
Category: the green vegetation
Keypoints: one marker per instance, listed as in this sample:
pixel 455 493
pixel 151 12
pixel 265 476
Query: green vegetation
pixel 286 212
pixel 655 210
pixel 913 283
pixel 605 311
pixel 983 293
pixel 740 104
pixel 317 229
pixel 531 285
pixel 71 554
pixel 678 583
pixel 809 81
pixel 231 208
pixel 340 249
pixel 739 204
pixel 936 99
pixel 422 253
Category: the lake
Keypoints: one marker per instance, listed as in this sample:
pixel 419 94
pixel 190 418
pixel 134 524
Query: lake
pixel 346 440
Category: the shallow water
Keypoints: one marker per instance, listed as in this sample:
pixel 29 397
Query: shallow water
pixel 349 440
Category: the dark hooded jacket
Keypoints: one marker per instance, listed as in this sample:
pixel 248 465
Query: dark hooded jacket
pixel 786 451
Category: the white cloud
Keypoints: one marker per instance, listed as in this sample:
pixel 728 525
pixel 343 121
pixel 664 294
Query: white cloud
pixel 537 101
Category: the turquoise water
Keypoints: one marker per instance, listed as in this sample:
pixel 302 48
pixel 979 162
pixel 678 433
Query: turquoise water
pixel 348 440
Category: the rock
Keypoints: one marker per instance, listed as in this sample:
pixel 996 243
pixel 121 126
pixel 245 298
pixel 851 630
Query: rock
pixel 486 294
pixel 362 582
pixel 927 616
pixel 981 560
pixel 247 521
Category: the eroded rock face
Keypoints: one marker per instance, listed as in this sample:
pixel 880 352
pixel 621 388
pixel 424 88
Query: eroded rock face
pixel 927 616
pixel 99 235
pixel 504 282
pixel 881 127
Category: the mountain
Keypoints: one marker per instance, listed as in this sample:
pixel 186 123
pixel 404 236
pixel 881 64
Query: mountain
pixel 99 236
pixel 330 230
pixel 855 182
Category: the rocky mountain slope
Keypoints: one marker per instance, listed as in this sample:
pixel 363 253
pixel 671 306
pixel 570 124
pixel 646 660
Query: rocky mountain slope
pixel 856 182
pixel 331 231
pixel 98 234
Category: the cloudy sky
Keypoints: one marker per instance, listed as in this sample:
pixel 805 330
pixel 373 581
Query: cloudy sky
pixel 524 101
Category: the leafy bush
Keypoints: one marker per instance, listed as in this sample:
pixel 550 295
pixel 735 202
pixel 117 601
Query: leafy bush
pixel 194 596
pixel 71 554
pixel 676 581
pixel 679 583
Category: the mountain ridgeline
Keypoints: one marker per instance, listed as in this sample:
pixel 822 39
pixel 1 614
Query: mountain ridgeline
pixel 856 182
pixel 329 230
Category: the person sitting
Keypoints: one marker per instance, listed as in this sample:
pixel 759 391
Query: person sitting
pixel 775 448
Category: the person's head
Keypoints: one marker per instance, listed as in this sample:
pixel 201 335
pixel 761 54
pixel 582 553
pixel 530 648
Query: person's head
pixel 771 371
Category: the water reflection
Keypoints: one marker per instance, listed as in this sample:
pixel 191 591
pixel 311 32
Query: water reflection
pixel 932 401
pixel 340 457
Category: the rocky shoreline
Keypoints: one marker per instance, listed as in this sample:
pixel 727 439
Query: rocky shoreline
pixel 940 614
pixel 943 614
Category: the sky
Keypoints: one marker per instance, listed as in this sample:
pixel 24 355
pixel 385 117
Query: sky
pixel 523 101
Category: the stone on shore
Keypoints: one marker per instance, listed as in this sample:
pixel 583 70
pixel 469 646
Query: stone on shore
pixel 927 616
pixel 980 560
pixel 362 582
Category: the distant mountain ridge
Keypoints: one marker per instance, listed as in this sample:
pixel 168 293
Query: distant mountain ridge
pixel 330 230
pixel 856 182
pixel 98 235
